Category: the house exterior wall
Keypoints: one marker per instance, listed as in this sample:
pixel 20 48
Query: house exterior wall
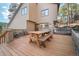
pixel 52 12
pixel 19 21
pixel 34 14
pixel 30 26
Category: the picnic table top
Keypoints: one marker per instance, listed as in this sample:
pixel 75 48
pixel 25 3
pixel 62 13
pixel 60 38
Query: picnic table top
pixel 38 32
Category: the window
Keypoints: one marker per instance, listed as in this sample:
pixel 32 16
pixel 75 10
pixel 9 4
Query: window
pixel 44 26
pixel 45 12
pixel 24 11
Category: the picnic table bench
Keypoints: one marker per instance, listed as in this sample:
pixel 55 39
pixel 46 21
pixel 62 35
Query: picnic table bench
pixel 40 37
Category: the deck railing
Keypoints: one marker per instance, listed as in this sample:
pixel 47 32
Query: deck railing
pixel 3 37
pixel 8 36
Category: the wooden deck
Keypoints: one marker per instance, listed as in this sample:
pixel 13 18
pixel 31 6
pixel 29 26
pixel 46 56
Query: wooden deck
pixel 61 45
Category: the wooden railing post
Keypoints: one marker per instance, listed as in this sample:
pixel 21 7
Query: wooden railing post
pixel 3 37
pixel 0 40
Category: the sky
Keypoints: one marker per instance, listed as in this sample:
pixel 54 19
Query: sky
pixel 4 12
pixel 61 4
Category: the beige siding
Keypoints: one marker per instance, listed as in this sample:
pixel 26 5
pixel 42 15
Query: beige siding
pixel 30 26
pixel 19 21
pixel 33 12
pixel 52 12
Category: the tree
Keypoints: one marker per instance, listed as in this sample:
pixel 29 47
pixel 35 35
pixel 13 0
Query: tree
pixel 69 10
pixel 0 29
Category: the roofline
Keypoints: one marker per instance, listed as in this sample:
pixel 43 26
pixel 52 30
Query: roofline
pixel 15 14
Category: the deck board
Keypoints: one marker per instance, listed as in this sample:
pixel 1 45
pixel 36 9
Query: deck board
pixel 60 45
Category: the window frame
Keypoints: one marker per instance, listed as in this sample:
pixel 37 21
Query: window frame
pixel 43 12
pixel 24 11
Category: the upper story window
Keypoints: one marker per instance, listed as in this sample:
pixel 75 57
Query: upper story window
pixel 24 11
pixel 45 12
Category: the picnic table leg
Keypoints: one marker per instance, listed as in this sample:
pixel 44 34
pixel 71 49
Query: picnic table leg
pixel 30 38
pixel 37 41
pixel 43 44
pixel 52 36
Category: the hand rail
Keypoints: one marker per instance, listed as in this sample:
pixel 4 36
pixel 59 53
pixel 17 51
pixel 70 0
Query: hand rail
pixel 3 37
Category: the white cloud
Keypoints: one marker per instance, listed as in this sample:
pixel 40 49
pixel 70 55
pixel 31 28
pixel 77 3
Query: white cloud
pixel 3 13
pixel 6 12
pixel 5 17
pixel 4 7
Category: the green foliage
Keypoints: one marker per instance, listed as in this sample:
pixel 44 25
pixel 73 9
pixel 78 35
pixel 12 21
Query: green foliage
pixel 69 10
pixel 2 25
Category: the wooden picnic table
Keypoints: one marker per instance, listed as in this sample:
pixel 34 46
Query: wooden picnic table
pixel 37 35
